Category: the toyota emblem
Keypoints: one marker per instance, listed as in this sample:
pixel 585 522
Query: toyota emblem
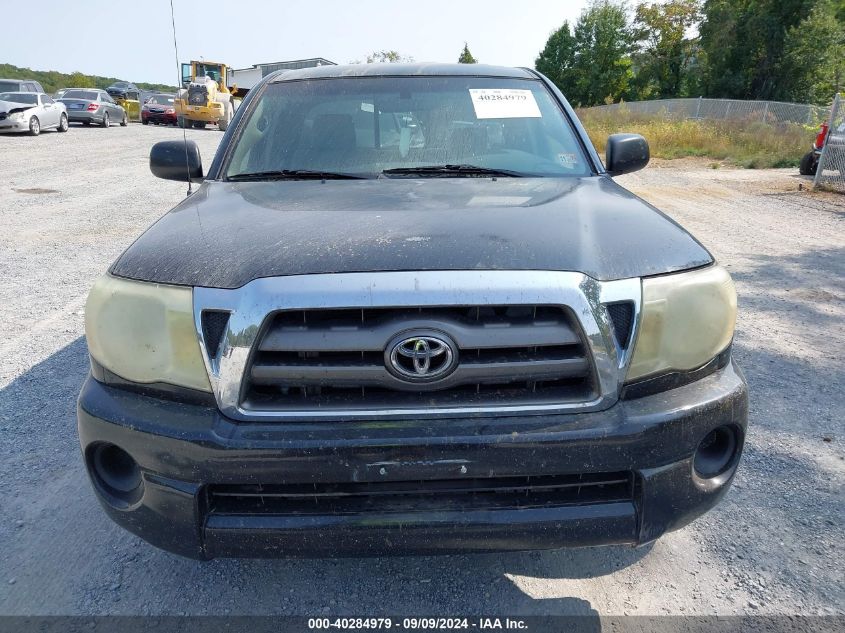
pixel 421 357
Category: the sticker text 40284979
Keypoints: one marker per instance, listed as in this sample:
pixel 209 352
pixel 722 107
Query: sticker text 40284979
pixel 501 103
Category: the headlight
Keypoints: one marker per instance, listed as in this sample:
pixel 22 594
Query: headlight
pixel 16 116
pixel 144 332
pixel 687 320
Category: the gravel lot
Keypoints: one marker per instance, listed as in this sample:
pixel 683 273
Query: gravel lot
pixel 70 203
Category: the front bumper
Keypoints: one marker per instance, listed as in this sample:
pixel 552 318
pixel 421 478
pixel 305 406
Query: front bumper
pixel 187 451
pixel 159 117
pixel 14 125
pixel 209 114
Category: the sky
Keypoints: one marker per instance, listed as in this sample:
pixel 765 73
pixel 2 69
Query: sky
pixel 112 39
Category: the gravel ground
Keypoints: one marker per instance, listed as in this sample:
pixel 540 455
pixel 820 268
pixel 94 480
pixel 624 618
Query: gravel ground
pixel 70 203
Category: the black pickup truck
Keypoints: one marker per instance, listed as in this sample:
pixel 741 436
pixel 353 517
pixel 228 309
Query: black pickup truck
pixel 408 310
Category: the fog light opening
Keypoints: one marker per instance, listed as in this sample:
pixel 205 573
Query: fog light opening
pixel 716 453
pixel 117 473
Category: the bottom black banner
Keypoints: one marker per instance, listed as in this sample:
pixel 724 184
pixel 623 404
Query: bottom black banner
pixel 532 624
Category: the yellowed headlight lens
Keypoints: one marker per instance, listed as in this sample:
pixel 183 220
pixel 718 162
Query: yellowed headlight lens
pixel 145 332
pixel 687 319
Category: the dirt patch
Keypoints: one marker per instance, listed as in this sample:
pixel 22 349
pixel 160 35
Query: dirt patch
pixel 814 294
pixel 690 162
pixel 35 190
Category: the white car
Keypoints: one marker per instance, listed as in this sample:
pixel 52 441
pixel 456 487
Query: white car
pixel 31 112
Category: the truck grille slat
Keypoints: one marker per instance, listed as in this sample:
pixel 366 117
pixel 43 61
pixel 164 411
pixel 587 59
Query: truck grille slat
pixel 468 373
pixel 336 359
pixel 408 496
pixel 352 338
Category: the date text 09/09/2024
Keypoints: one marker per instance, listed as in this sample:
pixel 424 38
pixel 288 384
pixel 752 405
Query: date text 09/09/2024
pixel 415 624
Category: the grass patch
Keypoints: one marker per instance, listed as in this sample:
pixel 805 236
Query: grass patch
pixel 754 145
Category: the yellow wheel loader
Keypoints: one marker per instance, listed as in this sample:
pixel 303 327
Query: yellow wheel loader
pixel 205 96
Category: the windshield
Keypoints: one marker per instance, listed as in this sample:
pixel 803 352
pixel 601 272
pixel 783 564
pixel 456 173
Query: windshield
pixel 19 97
pixel 160 99
pixel 369 125
pixel 215 71
pixel 88 95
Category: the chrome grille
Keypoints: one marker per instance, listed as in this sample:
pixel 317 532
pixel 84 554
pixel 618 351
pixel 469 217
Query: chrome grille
pixel 335 359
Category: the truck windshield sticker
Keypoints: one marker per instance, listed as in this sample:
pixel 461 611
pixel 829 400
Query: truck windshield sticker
pixel 568 160
pixel 496 103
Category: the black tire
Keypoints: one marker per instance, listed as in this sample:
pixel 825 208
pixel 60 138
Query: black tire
pixel 144 122
pixel 106 120
pixel 34 126
pixel 200 125
pixel 86 123
pixel 63 124
pixel 808 164
pixel 125 120
pixel 181 122
pixel 228 113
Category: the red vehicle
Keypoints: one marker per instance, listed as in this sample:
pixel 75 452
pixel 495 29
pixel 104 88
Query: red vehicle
pixel 159 109
pixel 835 141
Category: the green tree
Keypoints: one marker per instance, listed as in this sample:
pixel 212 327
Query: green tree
pixel 52 80
pixel 603 43
pixel 743 42
pixel 666 56
pixel 813 65
pixel 79 80
pixel 557 59
pixel 466 57
pixel 388 57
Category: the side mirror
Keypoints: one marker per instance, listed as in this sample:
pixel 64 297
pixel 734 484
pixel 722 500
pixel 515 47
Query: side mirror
pixel 625 153
pixel 176 160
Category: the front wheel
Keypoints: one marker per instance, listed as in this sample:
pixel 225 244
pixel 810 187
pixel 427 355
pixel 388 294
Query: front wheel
pixel 808 164
pixel 200 125
pixel 34 126
pixel 125 120
pixel 63 125
pixel 145 122
pixel 106 120
pixel 181 122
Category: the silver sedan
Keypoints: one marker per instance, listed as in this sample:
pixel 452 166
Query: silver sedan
pixel 31 112
pixel 90 105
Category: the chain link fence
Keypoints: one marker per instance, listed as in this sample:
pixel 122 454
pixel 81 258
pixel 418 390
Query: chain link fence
pixel 830 173
pixel 724 109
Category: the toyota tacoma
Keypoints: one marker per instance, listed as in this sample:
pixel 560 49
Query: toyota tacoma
pixel 408 310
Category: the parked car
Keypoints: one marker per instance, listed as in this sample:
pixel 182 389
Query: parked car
pixel 123 89
pixel 159 108
pixel 91 105
pixel 20 85
pixel 31 112
pixel 835 141
pixel 463 336
pixel 128 96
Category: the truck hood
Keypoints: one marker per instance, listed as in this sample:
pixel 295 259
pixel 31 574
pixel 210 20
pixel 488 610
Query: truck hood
pixel 227 234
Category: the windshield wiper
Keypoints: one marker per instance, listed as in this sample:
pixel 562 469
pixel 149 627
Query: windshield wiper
pixel 446 171
pixel 295 174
